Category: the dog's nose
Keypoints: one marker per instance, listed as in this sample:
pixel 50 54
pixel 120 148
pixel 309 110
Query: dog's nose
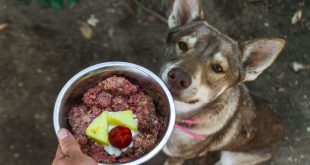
pixel 179 79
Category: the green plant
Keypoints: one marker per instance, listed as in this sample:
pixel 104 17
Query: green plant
pixel 163 4
pixel 57 4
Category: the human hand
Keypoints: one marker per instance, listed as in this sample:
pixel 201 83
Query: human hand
pixel 69 152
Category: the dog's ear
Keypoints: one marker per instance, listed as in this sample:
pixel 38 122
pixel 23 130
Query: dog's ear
pixel 185 11
pixel 257 55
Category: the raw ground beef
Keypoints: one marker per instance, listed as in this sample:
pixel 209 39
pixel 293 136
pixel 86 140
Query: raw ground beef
pixel 116 94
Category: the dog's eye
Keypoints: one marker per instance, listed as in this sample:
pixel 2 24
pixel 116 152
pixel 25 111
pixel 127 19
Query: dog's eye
pixel 182 46
pixel 217 68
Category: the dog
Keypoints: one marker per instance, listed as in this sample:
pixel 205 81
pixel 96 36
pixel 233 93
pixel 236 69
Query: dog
pixel 205 71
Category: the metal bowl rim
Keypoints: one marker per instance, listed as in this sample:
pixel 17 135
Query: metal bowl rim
pixel 172 115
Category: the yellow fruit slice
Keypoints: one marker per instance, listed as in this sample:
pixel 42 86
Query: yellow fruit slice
pixel 98 129
pixel 123 118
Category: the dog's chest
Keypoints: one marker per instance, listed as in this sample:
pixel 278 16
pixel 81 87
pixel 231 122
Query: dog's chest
pixel 186 145
pixel 182 143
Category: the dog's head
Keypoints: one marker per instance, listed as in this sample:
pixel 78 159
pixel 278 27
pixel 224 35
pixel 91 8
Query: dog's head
pixel 201 62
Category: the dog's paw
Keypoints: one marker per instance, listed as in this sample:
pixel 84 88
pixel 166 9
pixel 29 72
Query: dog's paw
pixel 174 161
pixel 219 163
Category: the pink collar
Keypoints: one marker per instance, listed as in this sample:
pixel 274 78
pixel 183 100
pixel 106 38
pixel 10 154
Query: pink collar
pixel 186 130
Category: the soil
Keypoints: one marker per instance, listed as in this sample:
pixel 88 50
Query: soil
pixel 42 48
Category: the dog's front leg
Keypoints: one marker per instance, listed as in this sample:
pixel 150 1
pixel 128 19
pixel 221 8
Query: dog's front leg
pixel 173 158
pixel 256 157
pixel 174 161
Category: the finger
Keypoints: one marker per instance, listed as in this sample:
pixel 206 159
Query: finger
pixel 67 142
pixel 59 153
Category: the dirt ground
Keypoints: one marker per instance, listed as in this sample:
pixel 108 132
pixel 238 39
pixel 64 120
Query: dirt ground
pixel 42 48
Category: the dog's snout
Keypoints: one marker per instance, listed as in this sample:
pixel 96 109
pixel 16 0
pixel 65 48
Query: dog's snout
pixel 179 79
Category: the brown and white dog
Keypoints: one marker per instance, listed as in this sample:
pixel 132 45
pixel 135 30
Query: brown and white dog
pixel 205 71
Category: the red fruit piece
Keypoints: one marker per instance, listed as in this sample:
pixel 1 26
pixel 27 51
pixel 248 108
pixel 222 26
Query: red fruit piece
pixel 120 137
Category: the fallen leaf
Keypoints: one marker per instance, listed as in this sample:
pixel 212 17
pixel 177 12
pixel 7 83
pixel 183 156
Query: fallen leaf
pixel 280 76
pixel 281 90
pixel 290 159
pixel 3 26
pixel 296 17
pixel 86 30
pixel 92 20
pixel 111 32
pixel 296 66
pixel 151 18
pixel 266 24
pixel 111 10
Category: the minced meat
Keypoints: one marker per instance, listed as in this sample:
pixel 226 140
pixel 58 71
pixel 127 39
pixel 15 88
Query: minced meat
pixel 116 94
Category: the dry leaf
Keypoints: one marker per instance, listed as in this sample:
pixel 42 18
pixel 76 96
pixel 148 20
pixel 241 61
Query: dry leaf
pixel 111 32
pixel 111 10
pixel 296 66
pixel 151 18
pixel 86 30
pixel 92 20
pixel 3 26
pixel 296 17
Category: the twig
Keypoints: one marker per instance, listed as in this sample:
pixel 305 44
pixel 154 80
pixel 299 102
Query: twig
pixel 3 26
pixel 161 18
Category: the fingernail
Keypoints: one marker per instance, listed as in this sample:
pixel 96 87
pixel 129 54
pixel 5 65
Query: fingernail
pixel 62 133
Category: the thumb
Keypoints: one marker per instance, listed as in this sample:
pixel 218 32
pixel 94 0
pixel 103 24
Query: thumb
pixel 67 142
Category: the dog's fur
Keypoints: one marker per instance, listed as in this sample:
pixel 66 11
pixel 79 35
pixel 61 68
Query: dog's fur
pixel 208 85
